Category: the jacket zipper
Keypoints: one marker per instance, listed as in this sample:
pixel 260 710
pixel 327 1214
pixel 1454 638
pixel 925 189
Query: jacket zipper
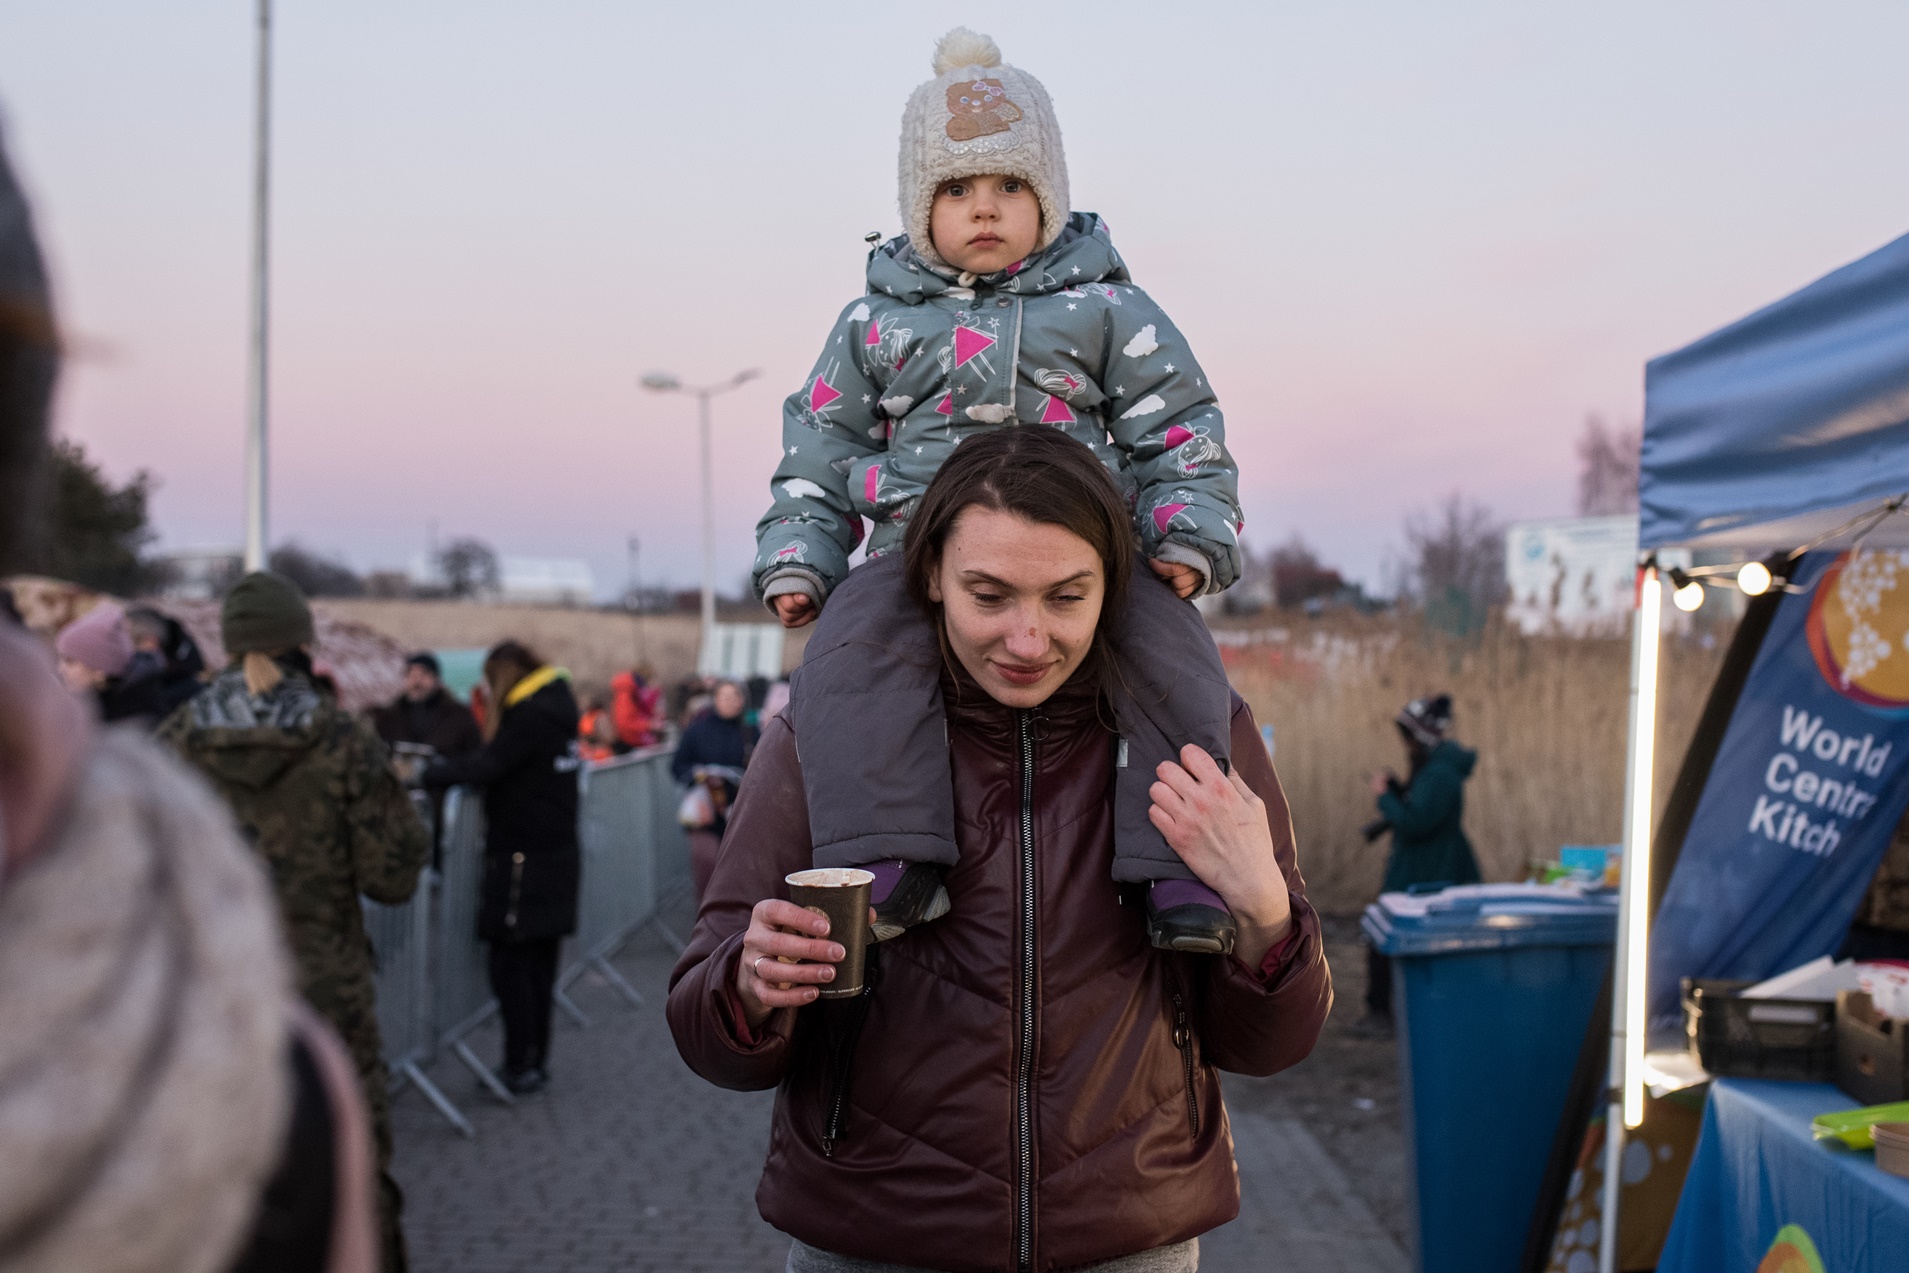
pixel 516 889
pixel 1183 1040
pixel 1023 1099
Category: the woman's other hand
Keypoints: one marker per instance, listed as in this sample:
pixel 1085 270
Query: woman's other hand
pixel 783 929
pixel 795 609
pixel 1382 782
pixel 1218 826
pixel 1182 578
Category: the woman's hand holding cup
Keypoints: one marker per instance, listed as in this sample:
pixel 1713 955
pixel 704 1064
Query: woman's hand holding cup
pixel 786 958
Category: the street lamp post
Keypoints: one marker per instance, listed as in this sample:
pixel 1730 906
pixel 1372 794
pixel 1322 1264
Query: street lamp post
pixel 255 460
pixel 663 382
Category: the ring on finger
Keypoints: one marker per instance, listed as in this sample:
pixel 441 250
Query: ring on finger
pixel 757 965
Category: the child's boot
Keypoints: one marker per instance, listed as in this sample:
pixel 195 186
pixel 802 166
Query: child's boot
pixel 905 894
pixel 1186 915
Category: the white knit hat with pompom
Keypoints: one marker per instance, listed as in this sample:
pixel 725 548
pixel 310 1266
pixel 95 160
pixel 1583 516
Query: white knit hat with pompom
pixel 978 117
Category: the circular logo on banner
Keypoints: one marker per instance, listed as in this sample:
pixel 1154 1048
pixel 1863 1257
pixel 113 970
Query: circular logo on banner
pixel 1858 628
pixel 1792 1252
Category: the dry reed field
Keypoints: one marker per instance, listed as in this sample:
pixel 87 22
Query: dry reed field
pixel 593 644
pixel 1546 714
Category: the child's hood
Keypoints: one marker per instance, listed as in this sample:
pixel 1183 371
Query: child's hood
pixel 1084 253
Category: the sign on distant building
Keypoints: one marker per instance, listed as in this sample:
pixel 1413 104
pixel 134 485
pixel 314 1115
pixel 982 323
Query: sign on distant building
pixel 1575 575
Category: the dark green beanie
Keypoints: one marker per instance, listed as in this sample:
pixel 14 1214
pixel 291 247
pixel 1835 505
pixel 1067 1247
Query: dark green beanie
pixel 266 612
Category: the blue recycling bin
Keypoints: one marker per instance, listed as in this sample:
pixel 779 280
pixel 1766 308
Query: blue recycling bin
pixel 1492 987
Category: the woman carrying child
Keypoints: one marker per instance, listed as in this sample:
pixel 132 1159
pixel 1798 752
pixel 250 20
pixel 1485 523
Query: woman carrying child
pixel 999 308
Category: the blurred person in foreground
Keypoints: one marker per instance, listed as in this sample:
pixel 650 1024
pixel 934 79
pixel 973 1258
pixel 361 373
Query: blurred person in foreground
pixel 166 639
pixel 1425 812
pixel 528 770
pixel 708 763
pixel 168 1106
pixel 315 794
pixel 98 659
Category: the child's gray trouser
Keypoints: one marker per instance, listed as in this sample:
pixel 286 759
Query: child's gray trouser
pixel 866 706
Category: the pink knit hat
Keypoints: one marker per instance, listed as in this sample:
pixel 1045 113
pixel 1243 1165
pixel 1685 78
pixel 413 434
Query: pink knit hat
pixel 99 639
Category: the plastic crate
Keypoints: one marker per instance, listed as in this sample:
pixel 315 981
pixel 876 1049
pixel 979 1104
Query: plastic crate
pixel 1734 1037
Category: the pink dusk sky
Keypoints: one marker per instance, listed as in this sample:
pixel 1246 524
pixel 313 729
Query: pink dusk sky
pixel 1413 245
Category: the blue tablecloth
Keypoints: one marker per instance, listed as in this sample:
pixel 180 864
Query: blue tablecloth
pixel 1757 1169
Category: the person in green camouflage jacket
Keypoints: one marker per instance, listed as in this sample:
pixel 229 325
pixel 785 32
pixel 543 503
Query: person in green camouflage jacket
pixel 314 793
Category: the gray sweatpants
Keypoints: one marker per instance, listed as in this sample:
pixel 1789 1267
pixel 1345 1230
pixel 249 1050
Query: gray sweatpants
pixel 866 706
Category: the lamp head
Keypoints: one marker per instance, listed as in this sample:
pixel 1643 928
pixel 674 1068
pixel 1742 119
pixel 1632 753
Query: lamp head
pixel 661 382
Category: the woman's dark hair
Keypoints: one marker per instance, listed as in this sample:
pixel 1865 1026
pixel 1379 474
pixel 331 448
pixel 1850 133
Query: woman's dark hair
pixel 514 654
pixel 1034 472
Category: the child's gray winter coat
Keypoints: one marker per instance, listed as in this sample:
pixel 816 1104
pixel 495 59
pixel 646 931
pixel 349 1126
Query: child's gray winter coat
pixel 923 361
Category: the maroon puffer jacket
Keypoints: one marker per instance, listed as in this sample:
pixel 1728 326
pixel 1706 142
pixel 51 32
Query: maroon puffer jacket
pixel 1007 1097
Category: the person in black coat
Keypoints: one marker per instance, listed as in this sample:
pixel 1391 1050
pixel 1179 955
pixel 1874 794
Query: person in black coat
pixel 181 665
pixel 528 770
pixel 426 714
pixel 714 750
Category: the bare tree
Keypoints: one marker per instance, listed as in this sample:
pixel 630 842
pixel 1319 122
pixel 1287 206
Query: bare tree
pixel 1607 468
pixel 1455 565
pixel 315 574
pixel 468 566
pixel 1299 576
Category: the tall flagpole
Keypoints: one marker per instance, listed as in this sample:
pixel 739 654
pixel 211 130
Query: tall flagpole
pixel 256 551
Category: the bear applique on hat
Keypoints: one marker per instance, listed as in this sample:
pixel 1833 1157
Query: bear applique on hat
pixel 979 117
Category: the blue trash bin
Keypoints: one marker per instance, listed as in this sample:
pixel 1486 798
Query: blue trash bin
pixel 1493 987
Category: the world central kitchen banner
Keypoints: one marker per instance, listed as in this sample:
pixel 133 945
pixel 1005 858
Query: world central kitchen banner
pixel 1808 784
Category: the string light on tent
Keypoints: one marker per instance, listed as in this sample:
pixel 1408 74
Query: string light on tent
pixel 1689 592
pixel 1754 579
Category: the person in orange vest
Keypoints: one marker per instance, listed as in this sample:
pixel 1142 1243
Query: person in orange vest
pixel 635 704
pixel 596 733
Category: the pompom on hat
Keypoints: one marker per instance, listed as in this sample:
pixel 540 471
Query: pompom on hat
pixel 978 117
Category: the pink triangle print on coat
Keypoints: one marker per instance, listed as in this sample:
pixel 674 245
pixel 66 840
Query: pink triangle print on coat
pixel 872 482
pixel 968 343
pixel 1163 514
pixel 874 336
pixel 946 405
pixel 1177 434
pixel 1056 412
pixel 821 394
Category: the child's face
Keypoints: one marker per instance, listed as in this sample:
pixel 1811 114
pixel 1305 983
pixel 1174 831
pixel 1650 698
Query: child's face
pixel 984 224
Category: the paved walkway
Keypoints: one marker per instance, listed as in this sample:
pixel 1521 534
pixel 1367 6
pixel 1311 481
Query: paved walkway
pixel 633 1163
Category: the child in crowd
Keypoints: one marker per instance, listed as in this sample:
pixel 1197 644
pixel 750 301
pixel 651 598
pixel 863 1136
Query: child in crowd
pixel 999 308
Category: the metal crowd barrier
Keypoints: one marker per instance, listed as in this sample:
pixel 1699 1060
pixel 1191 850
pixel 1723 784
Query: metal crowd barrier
pixel 629 836
pixel 401 945
pixel 433 980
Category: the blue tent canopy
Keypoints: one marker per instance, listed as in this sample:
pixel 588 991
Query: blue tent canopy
pixel 1785 424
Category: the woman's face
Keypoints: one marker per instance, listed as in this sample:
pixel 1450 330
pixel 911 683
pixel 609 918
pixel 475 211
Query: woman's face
pixel 728 701
pixel 1020 600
